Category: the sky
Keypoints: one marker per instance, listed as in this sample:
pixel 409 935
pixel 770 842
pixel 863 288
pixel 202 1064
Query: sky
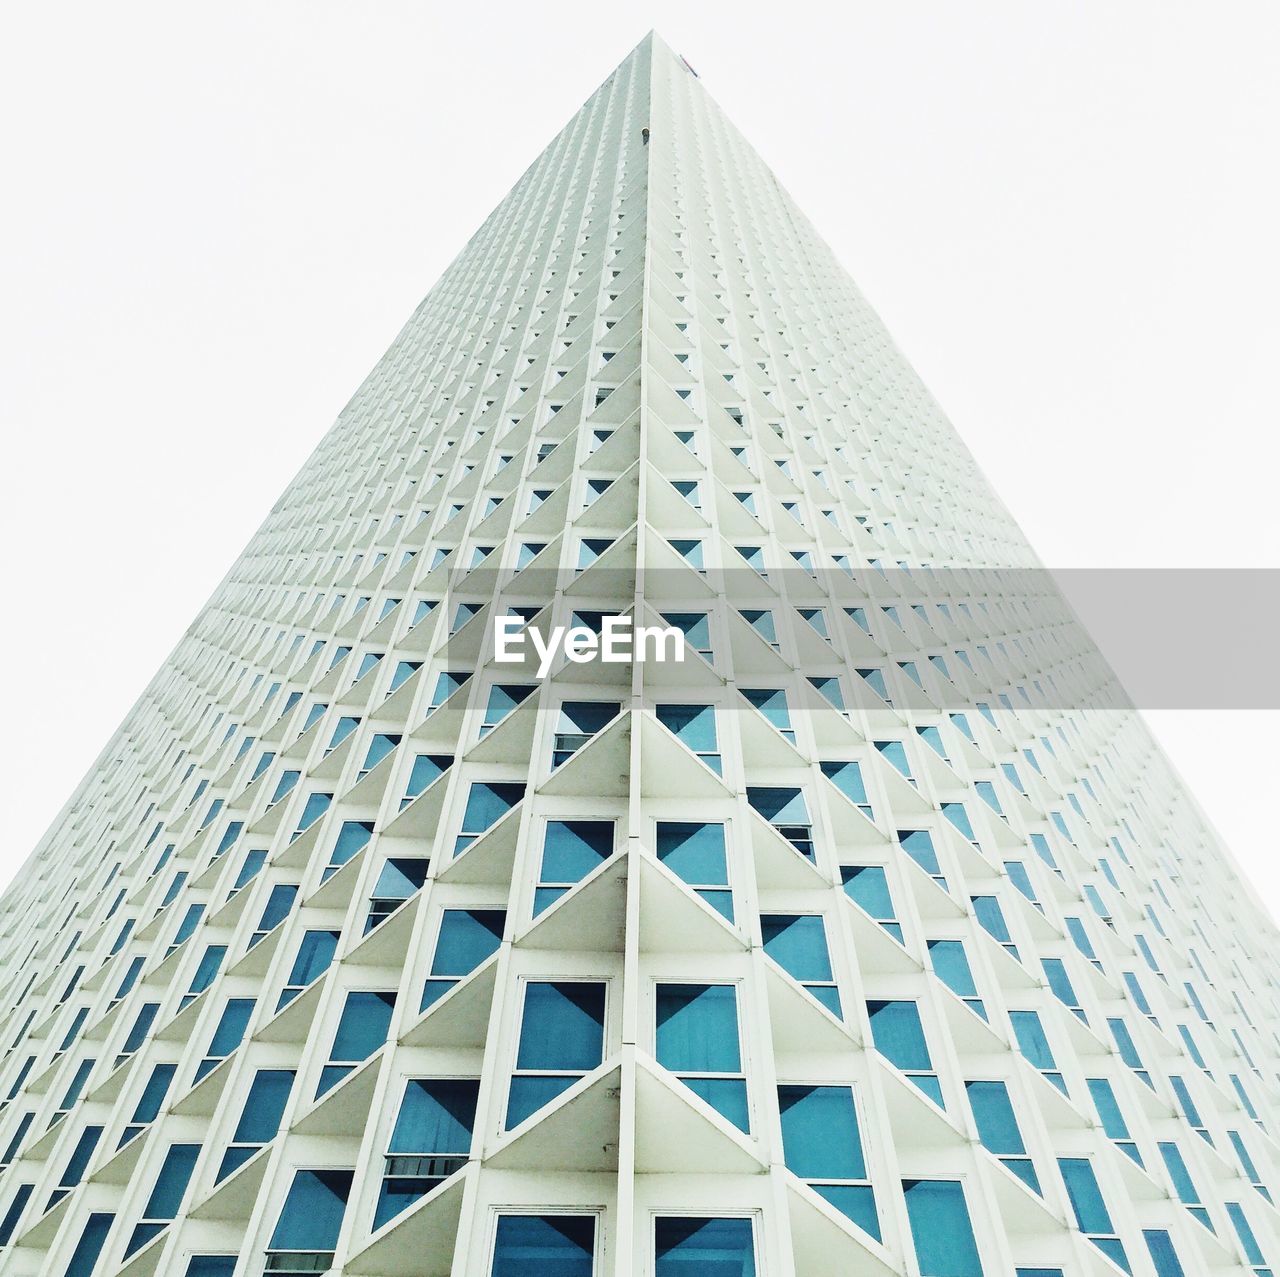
pixel 217 217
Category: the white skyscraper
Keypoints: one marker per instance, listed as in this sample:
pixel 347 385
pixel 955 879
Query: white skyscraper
pixel 872 936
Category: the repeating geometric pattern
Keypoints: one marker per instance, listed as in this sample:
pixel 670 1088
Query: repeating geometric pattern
pixel 876 936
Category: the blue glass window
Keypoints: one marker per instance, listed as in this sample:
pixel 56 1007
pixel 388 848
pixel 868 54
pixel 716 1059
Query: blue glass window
pixel 697 1039
pixel 918 845
pixel 11 1217
pixel 1128 1048
pixel 798 944
pixel 149 1102
pixel 1035 1047
pixel 1113 1123
pixel 487 803
pixel 84 1259
pixel 426 769
pixel 959 817
pixel 1246 1163
pixel 772 703
pixel 383 743
pixel 998 1129
pixel 78 1079
pixel 1076 930
pixel 166 1197
pixel 847 778
pixel 187 926
pixel 1188 1106
pixel 762 622
pixel 431 1141
pixel 899 1037
pixel 503 698
pixel 786 811
pixel 137 1033
pixel 74 1170
pixel 288 780
pixel 1183 1184
pixel 398 880
pixel 868 887
pixel 544 1246
pixel 19 1134
pixel 830 690
pixel 362 1030
pixel 448 683
pixel 571 849
pixel 259 1119
pixel 695 1246
pixel 991 919
pixel 1055 971
pixel 1163 1256
pixel 315 953
pixel 1252 1251
pixel 352 838
pixel 822 1146
pixel 940 1228
pixel 306 1233
pixel 315 807
pixel 578 722
pixel 279 904
pixel 951 966
pixel 206 972
pixel 228 1035
pixel 467 938
pixel 1092 1217
pixel 253 862
pixel 695 853
pixel 229 835
pixel 211 1266
pixel 696 628
pixel 561 1040
pixel 1018 875
pixel 894 752
pixel 695 727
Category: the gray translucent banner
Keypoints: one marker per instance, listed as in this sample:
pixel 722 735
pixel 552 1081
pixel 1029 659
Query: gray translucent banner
pixel 923 640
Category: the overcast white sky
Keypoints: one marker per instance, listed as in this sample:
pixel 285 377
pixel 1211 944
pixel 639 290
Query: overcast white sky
pixel 216 217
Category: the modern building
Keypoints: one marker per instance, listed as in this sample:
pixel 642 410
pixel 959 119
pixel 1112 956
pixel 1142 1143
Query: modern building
pixel 874 936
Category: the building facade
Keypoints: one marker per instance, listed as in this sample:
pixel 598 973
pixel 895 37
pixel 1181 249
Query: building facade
pixel 872 935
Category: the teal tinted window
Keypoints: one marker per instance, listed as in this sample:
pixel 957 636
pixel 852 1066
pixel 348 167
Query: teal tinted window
pixel 899 1037
pixel 798 944
pixel 697 1039
pixel 940 1228
pixel 695 853
pixel 571 849
pixel 822 1145
pixel 467 937
pixel 695 726
pixel 550 1245
pixel 487 803
pixel 430 1142
pixel 85 1256
pixel 259 1119
pixel 695 1246
pixel 998 1129
pixel 561 1038
pixel 1092 1217
pixel 1164 1259
pixel 311 1217
pixel 847 778
pixel 362 1030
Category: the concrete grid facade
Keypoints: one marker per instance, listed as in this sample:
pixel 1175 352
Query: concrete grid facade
pixel 874 937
